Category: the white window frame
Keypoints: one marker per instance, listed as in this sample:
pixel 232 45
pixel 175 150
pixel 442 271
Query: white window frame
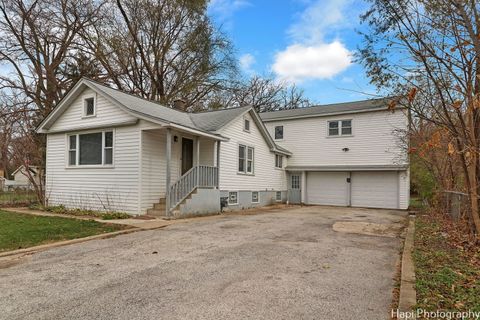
pixel 276 196
pixel 246 160
pixel 77 150
pixel 85 98
pixel 275 133
pixel 232 203
pixel 340 126
pixel 277 162
pixel 245 121
pixel 258 197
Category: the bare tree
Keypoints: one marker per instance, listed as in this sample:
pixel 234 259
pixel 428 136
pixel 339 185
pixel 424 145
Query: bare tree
pixel 161 50
pixel 430 51
pixel 264 94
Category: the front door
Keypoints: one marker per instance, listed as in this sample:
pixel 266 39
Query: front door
pixel 187 155
pixel 295 195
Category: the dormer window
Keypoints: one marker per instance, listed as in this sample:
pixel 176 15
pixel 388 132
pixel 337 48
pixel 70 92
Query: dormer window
pixel 89 107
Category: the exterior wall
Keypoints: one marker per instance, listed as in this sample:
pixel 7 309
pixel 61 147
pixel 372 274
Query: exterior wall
pixel 265 177
pixel 266 198
pixel 404 188
pixel 204 201
pixel 101 188
pixel 373 142
pixel 107 114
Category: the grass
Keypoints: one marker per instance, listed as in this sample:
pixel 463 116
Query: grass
pixel 19 231
pixel 447 266
pixel 416 203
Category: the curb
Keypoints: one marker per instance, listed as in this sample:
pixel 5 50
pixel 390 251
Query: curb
pixel 408 296
pixel 67 242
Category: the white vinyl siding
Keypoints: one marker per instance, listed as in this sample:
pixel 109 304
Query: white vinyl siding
pixel 101 188
pixel 265 176
pixel 375 141
pixel 106 114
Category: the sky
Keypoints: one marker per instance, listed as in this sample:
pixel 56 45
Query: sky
pixel 309 43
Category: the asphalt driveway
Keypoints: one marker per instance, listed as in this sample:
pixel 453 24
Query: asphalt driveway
pixel 280 264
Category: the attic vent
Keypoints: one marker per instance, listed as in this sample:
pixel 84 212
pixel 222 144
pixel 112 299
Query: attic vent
pixel 89 107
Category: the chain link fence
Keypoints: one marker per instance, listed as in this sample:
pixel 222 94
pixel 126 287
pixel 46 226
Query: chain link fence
pixel 456 204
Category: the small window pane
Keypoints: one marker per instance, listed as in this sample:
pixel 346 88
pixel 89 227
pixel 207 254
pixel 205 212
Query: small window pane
pixel 108 156
pixel 279 132
pixel 72 157
pixel 250 154
pixel 247 125
pixel 241 152
pixel 333 124
pixel 249 166
pixel 346 123
pixel 333 132
pixel 109 139
pixel 89 106
pixel 346 131
pixel 255 196
pixel 278 196
pixel 241 158
pixel 73 142
pixel 91 148
pixel 232 197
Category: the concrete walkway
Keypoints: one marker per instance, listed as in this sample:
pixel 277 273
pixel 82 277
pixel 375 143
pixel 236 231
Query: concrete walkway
pixel 136 223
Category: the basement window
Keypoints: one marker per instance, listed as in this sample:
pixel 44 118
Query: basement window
pixel 254 196
pixel 278 196
pixel 233 197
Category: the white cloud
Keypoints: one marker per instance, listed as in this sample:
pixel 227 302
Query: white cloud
pixel 316 51
pixel 299 62
pixel 223 10
pixel 246 62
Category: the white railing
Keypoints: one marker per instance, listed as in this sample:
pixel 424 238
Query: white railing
pixel 196 177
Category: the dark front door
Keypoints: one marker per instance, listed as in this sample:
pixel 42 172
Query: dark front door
pixel 187 155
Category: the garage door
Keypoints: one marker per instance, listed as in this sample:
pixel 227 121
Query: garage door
pixel 327 188
pixel 375 189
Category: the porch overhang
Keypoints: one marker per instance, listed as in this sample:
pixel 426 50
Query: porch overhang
pixel 401 167
pixel 213 136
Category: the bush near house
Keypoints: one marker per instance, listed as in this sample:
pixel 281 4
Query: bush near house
pixel 447 265
pixel 19 230
pixel 109 215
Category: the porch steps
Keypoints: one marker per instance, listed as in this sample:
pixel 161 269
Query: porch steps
pixel 158 209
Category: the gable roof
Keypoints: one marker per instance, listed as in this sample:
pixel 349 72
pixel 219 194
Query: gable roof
pixel 328 110
pixel 207 123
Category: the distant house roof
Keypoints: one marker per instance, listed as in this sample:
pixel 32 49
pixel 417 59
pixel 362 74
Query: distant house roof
pixel 208 122
pixel 21 169
pixel 328 110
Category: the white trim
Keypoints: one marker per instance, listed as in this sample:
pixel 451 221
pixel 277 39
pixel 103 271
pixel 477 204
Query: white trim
pixel 247 147
pixel 258 197
pixel 339 128
pixel 77 150
pixel 84 111
pixel 233 204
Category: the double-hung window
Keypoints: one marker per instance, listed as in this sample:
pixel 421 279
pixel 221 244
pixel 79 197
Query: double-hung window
pixel 90 149
pixel 340 128
pixel 245 159
pixel 278 161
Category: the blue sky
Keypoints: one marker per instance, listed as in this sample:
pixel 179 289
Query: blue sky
pixel 306 42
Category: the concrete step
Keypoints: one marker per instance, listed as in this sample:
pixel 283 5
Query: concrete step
pixel 159 206
pixel 162 201
pixel 155 212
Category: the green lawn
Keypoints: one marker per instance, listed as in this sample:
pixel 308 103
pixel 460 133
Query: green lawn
pixel 22 230
pixel 447 268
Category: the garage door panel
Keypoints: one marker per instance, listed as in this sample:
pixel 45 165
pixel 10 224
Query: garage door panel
pixel 327 188
pixel 374 189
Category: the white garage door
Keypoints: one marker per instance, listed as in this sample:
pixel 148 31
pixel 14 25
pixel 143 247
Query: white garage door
pixel 375 189
pixel 327 188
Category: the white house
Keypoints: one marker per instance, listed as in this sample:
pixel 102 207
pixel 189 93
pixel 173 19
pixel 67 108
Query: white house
pixel 108 150
pixel 21 177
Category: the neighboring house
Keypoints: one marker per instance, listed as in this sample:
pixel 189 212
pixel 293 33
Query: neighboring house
pixel 108 150
pixel 21 178
pixel 346 154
